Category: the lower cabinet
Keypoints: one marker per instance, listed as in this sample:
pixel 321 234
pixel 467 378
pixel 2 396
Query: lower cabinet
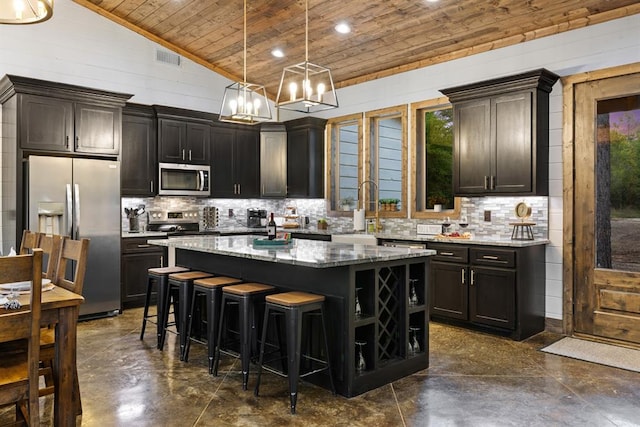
pixel 137 257
pixel 500 289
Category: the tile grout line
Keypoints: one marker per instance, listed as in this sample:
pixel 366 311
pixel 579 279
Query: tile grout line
pixel 395 397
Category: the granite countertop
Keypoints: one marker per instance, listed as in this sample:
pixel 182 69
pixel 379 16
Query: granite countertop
pixel 479 240
pixel 128 234
pixel 308 253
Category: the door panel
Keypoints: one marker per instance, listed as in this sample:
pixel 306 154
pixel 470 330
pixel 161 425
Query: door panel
pixel 607 208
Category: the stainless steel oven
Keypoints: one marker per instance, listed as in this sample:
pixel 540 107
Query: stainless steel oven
pixel 184 180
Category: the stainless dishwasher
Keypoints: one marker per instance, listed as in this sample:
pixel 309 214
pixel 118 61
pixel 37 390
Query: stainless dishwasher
pixel 404 244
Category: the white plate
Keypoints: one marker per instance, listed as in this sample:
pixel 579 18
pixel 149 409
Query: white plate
pixel 21 286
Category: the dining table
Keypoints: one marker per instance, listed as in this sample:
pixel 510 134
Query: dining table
pixel 60 307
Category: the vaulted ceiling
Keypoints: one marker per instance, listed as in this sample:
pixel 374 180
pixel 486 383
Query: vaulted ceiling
pixel 387 37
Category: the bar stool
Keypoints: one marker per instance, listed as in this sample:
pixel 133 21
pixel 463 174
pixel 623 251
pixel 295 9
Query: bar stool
pixel 183 283
pixel 158 276
pixel 210 289
pixel 247 296
pixel 295 305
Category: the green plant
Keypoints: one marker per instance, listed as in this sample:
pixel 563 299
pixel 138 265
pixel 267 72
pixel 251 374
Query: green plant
pixel 347 201
pixel 437 199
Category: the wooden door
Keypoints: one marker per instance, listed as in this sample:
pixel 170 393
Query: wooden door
pixel 223 182
pixel 606 212
pixel 198 142
pixel 492 297
pixel 172 141
pixel 449 290
pixel 46 123
pixel 97 129
pixel 138 164
pixel 472 147
pixel 247 162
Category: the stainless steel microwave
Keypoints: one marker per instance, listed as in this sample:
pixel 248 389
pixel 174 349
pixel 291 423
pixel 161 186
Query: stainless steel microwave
pixel 184 180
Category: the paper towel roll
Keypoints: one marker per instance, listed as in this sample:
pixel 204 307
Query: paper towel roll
pixel 358 219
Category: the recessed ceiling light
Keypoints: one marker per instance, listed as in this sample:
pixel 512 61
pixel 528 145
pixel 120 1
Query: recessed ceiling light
pixel 433 1
pixel 278 53
pixel 343 28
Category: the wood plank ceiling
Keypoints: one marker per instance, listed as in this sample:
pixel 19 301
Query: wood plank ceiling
pixel 388 36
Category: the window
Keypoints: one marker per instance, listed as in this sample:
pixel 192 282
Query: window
pixel 386 160
pixel 343 148
pixel 433 166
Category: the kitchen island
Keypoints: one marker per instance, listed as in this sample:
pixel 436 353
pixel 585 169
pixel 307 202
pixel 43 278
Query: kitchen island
pixel 385 341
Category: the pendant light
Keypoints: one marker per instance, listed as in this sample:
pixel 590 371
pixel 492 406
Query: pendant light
pixel 19 12
pixel 306 87
pixel 243 102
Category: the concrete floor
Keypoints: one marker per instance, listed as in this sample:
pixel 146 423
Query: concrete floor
pixel 474 379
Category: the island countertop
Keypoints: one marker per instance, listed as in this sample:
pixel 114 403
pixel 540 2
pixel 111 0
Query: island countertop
pixel 308 253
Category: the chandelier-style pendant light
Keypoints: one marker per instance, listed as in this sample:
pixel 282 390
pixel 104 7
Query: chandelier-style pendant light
pixel 306 87
pixel 243 102
pixel 25 11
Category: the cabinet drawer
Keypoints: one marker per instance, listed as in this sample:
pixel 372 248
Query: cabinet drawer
pixel 134 245
pixel 450 253
pixel 493 257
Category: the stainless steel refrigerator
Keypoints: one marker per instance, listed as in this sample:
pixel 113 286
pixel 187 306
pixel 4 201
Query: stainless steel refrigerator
pixel 81 198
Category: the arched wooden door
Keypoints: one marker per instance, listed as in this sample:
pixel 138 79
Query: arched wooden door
pixel 606 214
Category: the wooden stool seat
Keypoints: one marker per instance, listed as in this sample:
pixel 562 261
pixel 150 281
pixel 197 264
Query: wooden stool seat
pixel 161 271
pixel 247 288
pixel 188 275
pixel 214 282
pixel 292 299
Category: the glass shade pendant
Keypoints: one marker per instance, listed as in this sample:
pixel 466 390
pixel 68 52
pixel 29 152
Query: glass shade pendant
pixel 20 12
pixel 306 87
pixel 243 102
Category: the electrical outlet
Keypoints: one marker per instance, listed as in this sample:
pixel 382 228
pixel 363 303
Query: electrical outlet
pixel 230 213
pixel 487 216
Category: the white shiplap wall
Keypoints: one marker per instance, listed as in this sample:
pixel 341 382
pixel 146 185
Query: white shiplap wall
pixel 80 47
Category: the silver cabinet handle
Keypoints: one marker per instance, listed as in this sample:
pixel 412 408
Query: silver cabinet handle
pixel 161 260
pixel 486 182
pixel 495 258
pixel 151 184
pixel 183 154
pixel 463 276
pixel 473 277
pixel 77 142
pixel 66 144
pixel 144 246
pixel 239 189
pixel 189 155
pixel 492 181
pixel 446 253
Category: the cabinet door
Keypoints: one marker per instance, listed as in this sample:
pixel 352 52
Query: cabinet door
pixel 449 291
pixel 139 156
pixel 223 183
pixel 247 162
pixel 472 147
pixel 198 141
pixel 513 153
pixel 171 141
pixel 97 129
pixel 134 276
pixel 492 296
pixel 273 164
pixel 46 123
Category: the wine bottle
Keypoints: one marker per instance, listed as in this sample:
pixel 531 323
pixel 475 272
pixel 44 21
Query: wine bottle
pixel 271 228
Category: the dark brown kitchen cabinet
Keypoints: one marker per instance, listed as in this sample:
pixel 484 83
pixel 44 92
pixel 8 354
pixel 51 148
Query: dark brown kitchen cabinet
pixel 53 124
pixel 137 257
pixel 139 160
pixel 184 136
pixel 235 161
pixel 305 154
pixel 501 135
pixel 490 288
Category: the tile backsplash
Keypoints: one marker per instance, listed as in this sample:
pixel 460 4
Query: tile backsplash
pixel 502 213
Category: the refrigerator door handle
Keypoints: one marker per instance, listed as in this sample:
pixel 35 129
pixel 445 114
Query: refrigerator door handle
pixel 69 210
pixel 77 210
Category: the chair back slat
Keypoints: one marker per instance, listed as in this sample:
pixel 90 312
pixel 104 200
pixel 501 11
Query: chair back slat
pixel 25 323
pixel 51 245
pixel 30 240
pixel 72 250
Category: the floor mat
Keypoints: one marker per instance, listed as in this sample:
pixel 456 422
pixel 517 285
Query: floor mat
pixel 590 351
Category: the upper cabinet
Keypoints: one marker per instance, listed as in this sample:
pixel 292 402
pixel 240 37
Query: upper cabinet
pixel 139 160
pixel 501 135
pixel 305 157
pixel 184 136
pixel 56 117
pixel 235 161
pixel 273 160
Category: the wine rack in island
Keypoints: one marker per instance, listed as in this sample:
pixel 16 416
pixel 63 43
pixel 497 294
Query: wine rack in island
pixel 389 323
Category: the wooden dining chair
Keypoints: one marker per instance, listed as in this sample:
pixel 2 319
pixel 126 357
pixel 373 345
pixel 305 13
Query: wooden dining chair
pixel 51 246
pixel 19 371
pixel 30 241
pixel 71 251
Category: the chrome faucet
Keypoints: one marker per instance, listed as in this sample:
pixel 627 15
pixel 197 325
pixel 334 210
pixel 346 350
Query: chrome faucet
pixel 377 195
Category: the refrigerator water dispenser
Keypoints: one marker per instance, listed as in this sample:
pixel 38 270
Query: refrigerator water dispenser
pixel 50 217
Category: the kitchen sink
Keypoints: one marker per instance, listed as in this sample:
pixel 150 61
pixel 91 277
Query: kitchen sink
pixel 355 238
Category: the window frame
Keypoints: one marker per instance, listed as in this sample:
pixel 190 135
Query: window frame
pixel 370 118
pixel 418 138
pixel 334 124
